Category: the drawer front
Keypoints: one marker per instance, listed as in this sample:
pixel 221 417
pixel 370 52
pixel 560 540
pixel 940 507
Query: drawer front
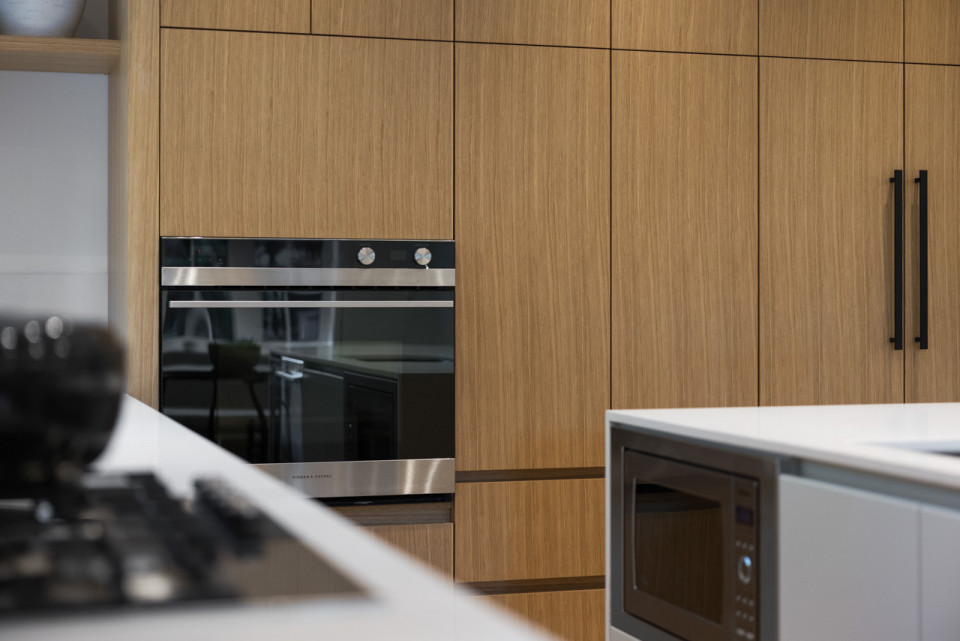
pixel 430 543
pixel 516 530
pixel 287 16
pixel 575 615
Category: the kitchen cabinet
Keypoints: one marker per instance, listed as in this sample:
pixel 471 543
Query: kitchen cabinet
pixel 421 19
pixel 930 31
pixel 305 136
pixel 684 230
pixel 570 23
pixel 521 530
pixel 847 30
pixel 576 615
pixel 932 137
pixel 831 136
pixel 848 563
pixel 939 573
pixel 533 256
pixel 292 16
pixel 697 26
pixel 431 543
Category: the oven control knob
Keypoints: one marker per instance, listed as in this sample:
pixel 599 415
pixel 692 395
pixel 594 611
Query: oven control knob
pixel 422 256
pixel 745 569
pixel 366 255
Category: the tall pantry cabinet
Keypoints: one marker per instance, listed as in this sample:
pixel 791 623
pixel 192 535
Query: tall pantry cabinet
pixel 932 136
pixel 832 135
pixel 685 230
pixel 684 208
pixel 830 140
pixel 532 184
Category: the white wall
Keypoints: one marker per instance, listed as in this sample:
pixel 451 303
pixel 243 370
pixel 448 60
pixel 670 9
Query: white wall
pixel 53 187
pixel 53 193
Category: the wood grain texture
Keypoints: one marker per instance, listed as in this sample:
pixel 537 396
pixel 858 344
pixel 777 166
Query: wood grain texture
pixel 830 140
pixel 397 513
pixel 933 143
pixel 572 23
pixel 576 615
pixel 533 266
pixel 291 16
pixel 846 29
pixel 66 55
pixel 684 230
pixel 305 136
pixel 133 247
pixel 425 19
pixel 932 31
pixel 701 26
pixel 430 543
pixel 529 530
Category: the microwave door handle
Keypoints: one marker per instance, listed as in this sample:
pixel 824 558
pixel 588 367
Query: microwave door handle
pixel 308 304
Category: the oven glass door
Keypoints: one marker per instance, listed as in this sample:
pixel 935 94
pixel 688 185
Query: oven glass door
pixel 289 376
pixel 678 534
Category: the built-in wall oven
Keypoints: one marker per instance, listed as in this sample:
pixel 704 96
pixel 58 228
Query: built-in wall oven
pixel 693 540
pixel 327 363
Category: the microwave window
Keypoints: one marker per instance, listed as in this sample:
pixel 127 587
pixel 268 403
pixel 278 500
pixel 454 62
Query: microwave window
pixel 678 549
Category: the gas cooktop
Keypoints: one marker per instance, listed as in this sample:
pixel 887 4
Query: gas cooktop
pixel 112 541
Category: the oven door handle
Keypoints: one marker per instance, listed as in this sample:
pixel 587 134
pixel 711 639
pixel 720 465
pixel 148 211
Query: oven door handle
pixel 307 304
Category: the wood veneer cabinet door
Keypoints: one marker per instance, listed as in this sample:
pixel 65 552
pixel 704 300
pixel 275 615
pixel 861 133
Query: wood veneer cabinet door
pixel 700 26
pixel 932 31
pixel 513 530
pixel 305 136
pixel 933 144
pixel 684 230
pixel 830 140
pixel 426 19
pixel 431 543
pixel 533 256
pixel 838 29
pixel 571 23
pixel 576 615
pixel 291 16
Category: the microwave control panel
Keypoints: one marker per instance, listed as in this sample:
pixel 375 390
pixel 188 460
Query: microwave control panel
pixel 746 551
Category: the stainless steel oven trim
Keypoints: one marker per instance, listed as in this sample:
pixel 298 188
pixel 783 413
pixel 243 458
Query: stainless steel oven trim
pixel 367 478
pixel 307 304
pixel 304 277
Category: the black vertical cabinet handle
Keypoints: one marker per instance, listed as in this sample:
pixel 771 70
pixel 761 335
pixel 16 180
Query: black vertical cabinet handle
pixel 923 338
pixel 897 181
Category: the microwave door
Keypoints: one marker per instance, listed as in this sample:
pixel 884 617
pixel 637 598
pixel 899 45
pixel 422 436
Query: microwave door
pixel 677 528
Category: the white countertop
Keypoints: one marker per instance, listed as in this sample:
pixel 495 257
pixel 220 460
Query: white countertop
pixel 890 440
pixel 407 601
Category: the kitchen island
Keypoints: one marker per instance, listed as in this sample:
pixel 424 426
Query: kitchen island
pixel 855 530
pixel 403 600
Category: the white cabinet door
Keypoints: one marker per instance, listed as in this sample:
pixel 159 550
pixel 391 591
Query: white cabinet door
pixel 940 566
pixel 848 564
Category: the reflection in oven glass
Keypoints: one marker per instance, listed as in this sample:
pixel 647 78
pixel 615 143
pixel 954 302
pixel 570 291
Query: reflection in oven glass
pixel 372 384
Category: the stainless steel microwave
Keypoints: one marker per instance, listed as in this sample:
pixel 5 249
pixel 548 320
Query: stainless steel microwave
pixel 693 540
